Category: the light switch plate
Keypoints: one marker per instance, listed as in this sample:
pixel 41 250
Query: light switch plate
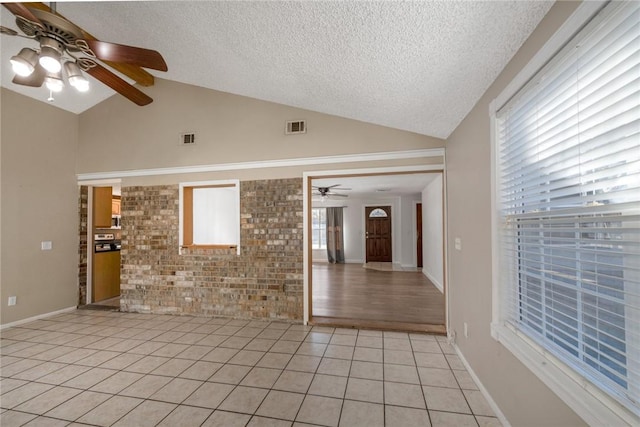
pixel 46 245
pixel 12 301
pixel 458 243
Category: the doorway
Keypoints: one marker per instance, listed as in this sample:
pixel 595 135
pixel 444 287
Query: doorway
pixel 378 234
pixel 380 284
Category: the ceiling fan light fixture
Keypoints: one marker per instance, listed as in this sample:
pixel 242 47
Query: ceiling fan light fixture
pixel 24 62
pixel 54 82
pixel 75 77
pixel 50 53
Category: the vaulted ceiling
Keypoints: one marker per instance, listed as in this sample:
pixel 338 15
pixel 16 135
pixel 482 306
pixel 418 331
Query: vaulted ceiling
pixel 416 66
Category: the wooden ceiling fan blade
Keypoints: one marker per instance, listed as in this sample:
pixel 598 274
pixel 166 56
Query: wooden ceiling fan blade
pixel 114 52
pixel 119 85
pixel 21 10
pixel 134 72
pixel 35 79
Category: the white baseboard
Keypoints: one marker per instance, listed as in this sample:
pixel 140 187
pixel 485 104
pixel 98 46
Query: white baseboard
pixel 436 283
pixel 483 390
pixel 37 317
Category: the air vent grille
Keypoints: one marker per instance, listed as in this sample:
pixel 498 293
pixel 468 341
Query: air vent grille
pixel 187 139
pixel 296 127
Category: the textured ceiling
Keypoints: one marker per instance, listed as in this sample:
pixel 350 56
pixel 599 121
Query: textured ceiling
pixel 416 66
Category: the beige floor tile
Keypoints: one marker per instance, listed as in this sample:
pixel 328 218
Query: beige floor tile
pixel 261 377
pixel 8 384
pixel 236 342
pixel 397 344
pixel 401 374
pixel 39 371
pixel 45 422
pixel 122 361
pixel 116 382
pixel 64 374
pixel 271 334
pixel 145 386
pixel 209 395
pixel 297 382
pixel 226 419
pixel 220 355
pixel 488 421
pixel 77 406
pixel 230 374
pixel 320 410
pixel 367 370
pixel 478 403
pixel 147 347
pixel 110 411
pixel 274 360
pixel 303 363
pixel 366 354
pixel 365 390
pixel 311 349
pixel 465 380
pixel 319 337
pixel 267 422
pixel 177 390
pixel 403 395
pixel 339 351
pixel 147 414
pixel 186 416
pixel 369 341
pixel 294 335
pixel 247 357
pixel 349 340
pixel 13 418
pixel 362 414
pixel 437 377
pixel 147 364
pixel 244 400
pixel 170 350
pixel 260 344
pixel 173 367
pixel 426 346
pixel 90 378
pixel 431 360
pixel 396 416
pixel 445 399
pixel 200 370
pixel 328 385
pixel 289 347
pixel 399 357
pixel 18 367
pixel 170 336
pixel 47 400
pixel 194 352
pixel 212 340
pixel 281 404
pixel 450 419
pixel 338 367
pixel 22 394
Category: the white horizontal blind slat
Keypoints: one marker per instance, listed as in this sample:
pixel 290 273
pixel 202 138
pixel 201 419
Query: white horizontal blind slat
pixel 569 201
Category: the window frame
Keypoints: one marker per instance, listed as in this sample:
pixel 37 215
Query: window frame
pixel 319 229
pixel 185 238
pixel 590 402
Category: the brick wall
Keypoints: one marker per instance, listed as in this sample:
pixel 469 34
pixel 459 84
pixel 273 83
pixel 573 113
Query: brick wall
pixel 265 281
pixel 83 205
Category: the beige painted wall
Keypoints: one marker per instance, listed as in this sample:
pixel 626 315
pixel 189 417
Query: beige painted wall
pixel 117 135
pixel 521 396
pixel 39 203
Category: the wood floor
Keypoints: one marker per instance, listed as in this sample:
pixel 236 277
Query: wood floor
pixel 349 293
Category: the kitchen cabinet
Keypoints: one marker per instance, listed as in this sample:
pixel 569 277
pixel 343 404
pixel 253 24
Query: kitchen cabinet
pixel 102 207
pixel 115 206
pixel 106 275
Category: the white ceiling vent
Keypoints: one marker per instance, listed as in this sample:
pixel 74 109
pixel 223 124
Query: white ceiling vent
pixel 295 127
pixel 188 138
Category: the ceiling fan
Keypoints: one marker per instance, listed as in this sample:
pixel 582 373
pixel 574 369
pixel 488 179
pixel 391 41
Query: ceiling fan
pixel 65 46
pixel 327 192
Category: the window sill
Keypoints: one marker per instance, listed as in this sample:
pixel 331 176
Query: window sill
pixel 588 401
pixel 209 250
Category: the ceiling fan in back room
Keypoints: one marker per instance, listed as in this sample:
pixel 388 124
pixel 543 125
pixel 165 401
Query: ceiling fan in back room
pixel 329 192
pixel 64 49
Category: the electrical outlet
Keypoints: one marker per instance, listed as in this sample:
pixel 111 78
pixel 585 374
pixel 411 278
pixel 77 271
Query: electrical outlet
pixel 466 330
pixel 12 301
pixel 46 245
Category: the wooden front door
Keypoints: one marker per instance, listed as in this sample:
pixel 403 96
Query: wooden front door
pixel 419 233
pixel 378 233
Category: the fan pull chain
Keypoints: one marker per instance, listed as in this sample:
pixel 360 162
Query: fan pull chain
pixel 50 98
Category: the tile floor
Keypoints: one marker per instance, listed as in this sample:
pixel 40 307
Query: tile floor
pixel 108 368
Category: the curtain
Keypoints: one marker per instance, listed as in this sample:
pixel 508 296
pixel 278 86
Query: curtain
pixel 335 239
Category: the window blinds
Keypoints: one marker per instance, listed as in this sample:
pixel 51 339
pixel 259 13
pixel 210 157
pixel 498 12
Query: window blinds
pixel 569 202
